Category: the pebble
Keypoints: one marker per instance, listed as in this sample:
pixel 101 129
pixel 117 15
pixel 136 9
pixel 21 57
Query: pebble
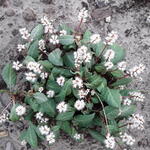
pixel 15 32
pixel 29 15
pixel 46 1
pixel 2 2
pixel 9 146
pixel 10 12
pixel 17 3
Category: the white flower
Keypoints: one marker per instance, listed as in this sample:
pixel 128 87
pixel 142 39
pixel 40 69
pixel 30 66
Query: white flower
pixel 49 29
pixel 122 65
pixel 50 93
pixel 137 96
pixel 41 44
pixel 78 82
pixel 95 38
pixel 40 89
pixel 17 65
pixel 79 104
pixel 108 19
pixel 111 38
pixel 39 115
pixel 21 47
pixel 54 39
pixel 20 110
pixel 93 92
pixel 109 55
pixel 136 121
pixel 108 65
pixel 83 93
pixel 62 107
pixel 60 80
pixel 137 70
pixel 148 19
pixel 50 138
pixel 35 67
pixel 127 101
pixel 44 130
pixel 110 142
pixel 63 32
pixel 44 75
pixel 82 56
pixel 78 136
pixel 83 15
pixel 45 21
pixel 25 34
pixel 23 143
pixel 44 120
pixel 127 139
pixel 30 76
pixel 3 118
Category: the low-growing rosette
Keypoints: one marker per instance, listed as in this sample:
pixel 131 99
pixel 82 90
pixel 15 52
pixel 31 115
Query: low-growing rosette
pixel 74 82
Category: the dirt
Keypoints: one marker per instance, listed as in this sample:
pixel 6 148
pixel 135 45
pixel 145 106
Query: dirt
pixel 128 18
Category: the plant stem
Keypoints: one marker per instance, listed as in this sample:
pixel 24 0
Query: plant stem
pixel 106 120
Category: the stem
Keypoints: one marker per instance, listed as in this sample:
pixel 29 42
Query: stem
pixel 103 50
pixel 5 107
pixel 106 120
pixel 79 24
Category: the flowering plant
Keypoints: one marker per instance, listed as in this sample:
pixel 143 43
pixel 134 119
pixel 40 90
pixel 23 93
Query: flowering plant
pixel 74 82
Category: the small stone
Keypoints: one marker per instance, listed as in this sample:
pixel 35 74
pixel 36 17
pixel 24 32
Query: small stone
pixel 17 3
pixel 10 12
pixel 9 146
pixel 29 15
pixel 2 2
pixel 15 32
pixel 46 1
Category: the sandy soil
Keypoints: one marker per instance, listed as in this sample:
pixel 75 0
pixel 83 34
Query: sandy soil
pixel 128 18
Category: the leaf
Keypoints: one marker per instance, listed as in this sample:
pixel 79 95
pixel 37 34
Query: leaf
pixel 68 59
pixel 48 107
pixel 119 53
pixel 46 64
pixel 125 92
pixel 96 135
pixel 34 49
pixel 13 116
pixel 28 59
pixel 111 97
pixel 127 110
pixel 65 116
pixel 31 136
pixel 66 39
pixel 100 68
pixel 37 32
pixel 97 48
pixel 117 74
pixel 123 81
pixel 112 128
pixel 40 97
pixel 111 112
pixel 66 28
pixel 86 37
pixel 9 75
pixel 84 120
pixel 56 130
pixel 60 71
pixel 65 91
pixel 55 57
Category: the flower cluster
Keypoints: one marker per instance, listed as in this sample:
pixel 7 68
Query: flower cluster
pixel 83 15
pixel 111 38
pixel 137 96
pixel 20 110
pixel 25 34
pixel 62 107
pixel 3 118
pixel 40 117
pixel 82 56
pixel 110 142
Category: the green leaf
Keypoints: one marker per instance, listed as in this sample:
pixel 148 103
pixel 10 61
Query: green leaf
pixel 123 81
pixel 65 126
pixel 66 28
pixel 13 116
pixel 34 49
pixel 65 91
pixel 111 112
pixel 28 59
pixel 112 128
pixel 117 74
pixel 37 32
pixel 111 97
pixel 60 71
pixel 125 92
pixel 55 57
pixel 31 136
pixel 100 68
pixel 84 120
pixel 65 116
pixel 119 53
pixel 96 135
pixel 46 64
pixel 86 37
pixel 48 107
pixel 127 110
pixel 40 97
pixel 9 75
pixel 66 39
pixel 97 48
pixel 68 59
